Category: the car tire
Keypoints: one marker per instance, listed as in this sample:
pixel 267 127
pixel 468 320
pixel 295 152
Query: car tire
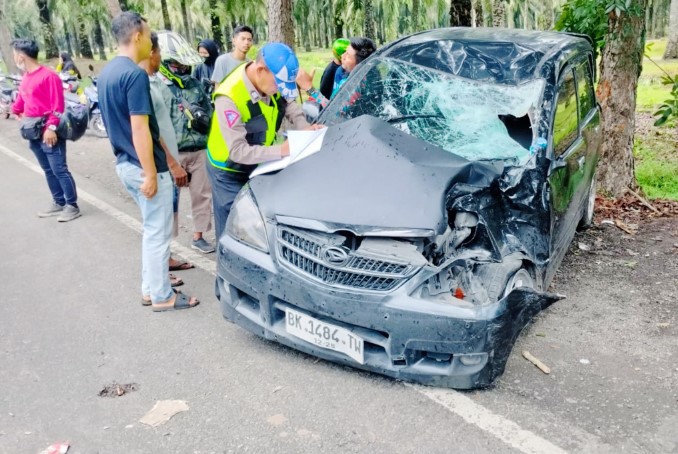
pixel 501 281
pixel 586 220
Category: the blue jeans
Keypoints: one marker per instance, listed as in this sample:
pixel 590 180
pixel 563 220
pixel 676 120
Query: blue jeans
pixel 225 186
pixel 52 160
pixel 157 221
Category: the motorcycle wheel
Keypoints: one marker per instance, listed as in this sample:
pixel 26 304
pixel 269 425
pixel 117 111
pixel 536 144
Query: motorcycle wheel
pixel 96 124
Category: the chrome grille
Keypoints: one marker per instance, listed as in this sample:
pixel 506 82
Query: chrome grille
pixel 302 252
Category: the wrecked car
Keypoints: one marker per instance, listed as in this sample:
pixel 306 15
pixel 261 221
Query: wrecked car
pixel 422 237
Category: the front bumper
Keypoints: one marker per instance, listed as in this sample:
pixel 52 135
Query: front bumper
pixel 405 337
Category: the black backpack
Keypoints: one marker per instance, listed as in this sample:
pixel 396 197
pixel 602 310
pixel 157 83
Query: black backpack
pixel 73 122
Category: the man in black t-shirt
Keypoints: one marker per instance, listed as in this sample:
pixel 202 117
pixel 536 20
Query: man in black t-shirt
pixel 127 111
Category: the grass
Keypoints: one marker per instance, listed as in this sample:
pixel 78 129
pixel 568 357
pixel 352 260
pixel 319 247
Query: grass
pixel 656 163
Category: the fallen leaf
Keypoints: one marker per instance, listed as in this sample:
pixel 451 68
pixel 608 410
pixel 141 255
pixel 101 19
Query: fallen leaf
pixel 162 411
pixel 584 246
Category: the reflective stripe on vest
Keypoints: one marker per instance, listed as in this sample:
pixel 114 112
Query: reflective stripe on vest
pixel 261 122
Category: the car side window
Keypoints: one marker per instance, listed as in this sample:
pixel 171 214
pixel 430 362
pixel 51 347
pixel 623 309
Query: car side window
pixel 584 90
pixel 565 122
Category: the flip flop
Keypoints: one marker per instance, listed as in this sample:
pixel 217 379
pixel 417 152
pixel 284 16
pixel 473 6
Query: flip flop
pixel 180 302
pixel 181 266
pixel 148 302
pixel 175 281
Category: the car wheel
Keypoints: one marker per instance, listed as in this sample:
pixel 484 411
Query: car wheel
pixel 587 217
pixel 521 279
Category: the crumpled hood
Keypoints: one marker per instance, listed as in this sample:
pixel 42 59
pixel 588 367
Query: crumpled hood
pixel 371 174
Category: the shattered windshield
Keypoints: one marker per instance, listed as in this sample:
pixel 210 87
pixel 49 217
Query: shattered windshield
pixel 475 120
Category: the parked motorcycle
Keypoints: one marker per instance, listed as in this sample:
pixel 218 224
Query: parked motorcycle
pixel 96 122
pixel 9 89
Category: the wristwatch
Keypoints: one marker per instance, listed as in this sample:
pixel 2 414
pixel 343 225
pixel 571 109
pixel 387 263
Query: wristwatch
pixel 52 128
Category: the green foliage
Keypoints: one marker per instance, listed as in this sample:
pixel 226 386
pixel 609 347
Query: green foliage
pixel 586 17
pixel 669 109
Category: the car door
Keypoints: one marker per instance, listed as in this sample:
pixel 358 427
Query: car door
pixel 568 169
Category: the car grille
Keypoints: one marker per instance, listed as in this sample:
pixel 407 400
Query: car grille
pixel 302 251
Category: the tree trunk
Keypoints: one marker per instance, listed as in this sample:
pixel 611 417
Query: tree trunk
pixel 67 37
pixel 99 39
pixel 477 13
pixel 216 25
pixel 368 10
pixel 115 7
pixel 280 23
pixel 460 13
pixel 165 15
pixel 672 45
pixel 184 16
pixel 498 13
pixel 5 40
pixel 51 49
pixel 620 67
pixel 85 48
pixel 338 20
pixel 76 42
pixel 415 15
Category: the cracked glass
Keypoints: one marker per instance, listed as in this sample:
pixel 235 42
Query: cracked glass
pixel 473 119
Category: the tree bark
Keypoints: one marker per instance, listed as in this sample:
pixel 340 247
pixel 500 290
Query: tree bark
pixel 5 41
pixel 460 13
pixel 165 15
pixel 415 15
pixel 85 48
pixel 280 23
pixel 477 13
pixel 368 25
pixel 620 67
pixel 184 16
pixel 67 38
pixel 99 39
pixel 114 7
pixel 672 44
pixel 51 49
pixel 498 13
pixel 338 20
pixel 216 25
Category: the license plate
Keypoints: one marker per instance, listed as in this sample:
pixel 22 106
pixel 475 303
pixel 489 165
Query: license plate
pixel 324 335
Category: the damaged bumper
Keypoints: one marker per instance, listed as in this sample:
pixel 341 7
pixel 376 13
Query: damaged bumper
pixel 391 333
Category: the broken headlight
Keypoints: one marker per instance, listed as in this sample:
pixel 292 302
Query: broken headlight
pixel 245 222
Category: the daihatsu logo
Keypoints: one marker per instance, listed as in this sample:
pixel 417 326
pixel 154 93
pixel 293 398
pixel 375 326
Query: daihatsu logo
pixel 334 256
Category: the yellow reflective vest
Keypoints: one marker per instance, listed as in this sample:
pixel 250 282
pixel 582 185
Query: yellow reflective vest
pixel 261 121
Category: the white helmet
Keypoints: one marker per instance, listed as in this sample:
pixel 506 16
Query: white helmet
pixel 173 46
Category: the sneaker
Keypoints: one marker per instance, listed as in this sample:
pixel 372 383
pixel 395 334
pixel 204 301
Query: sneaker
pixel 202 245
pixel 53 210
pixel 69 213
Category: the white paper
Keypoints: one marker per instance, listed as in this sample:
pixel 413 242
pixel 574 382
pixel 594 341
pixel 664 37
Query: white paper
pixel 302 145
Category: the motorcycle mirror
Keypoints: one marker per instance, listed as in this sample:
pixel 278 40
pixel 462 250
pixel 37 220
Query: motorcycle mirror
pixel 91 68
pixel 311 110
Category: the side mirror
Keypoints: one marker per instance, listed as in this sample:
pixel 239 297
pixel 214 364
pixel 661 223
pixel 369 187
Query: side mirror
pixel 311 110
pixel 91 68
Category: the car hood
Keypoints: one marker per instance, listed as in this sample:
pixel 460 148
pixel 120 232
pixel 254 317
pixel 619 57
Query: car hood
pixel 371 174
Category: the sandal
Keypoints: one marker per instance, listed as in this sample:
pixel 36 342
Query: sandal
pixel 175 281
pixel 181 301
pixel 181 266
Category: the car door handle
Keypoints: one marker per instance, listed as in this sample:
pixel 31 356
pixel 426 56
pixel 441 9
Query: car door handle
pixel 581 161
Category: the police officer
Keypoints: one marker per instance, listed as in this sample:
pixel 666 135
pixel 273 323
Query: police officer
pixel 249 106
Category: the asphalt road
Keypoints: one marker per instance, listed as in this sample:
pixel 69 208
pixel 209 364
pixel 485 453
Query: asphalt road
pixel 71 323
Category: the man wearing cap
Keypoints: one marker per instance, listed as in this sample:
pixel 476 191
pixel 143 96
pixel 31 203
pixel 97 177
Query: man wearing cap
pixel 249 106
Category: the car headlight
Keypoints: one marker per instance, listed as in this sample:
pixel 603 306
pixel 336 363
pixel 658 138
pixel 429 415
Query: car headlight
pixel 245 222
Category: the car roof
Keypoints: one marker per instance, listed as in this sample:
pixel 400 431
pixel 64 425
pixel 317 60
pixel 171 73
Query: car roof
pixel 501 55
